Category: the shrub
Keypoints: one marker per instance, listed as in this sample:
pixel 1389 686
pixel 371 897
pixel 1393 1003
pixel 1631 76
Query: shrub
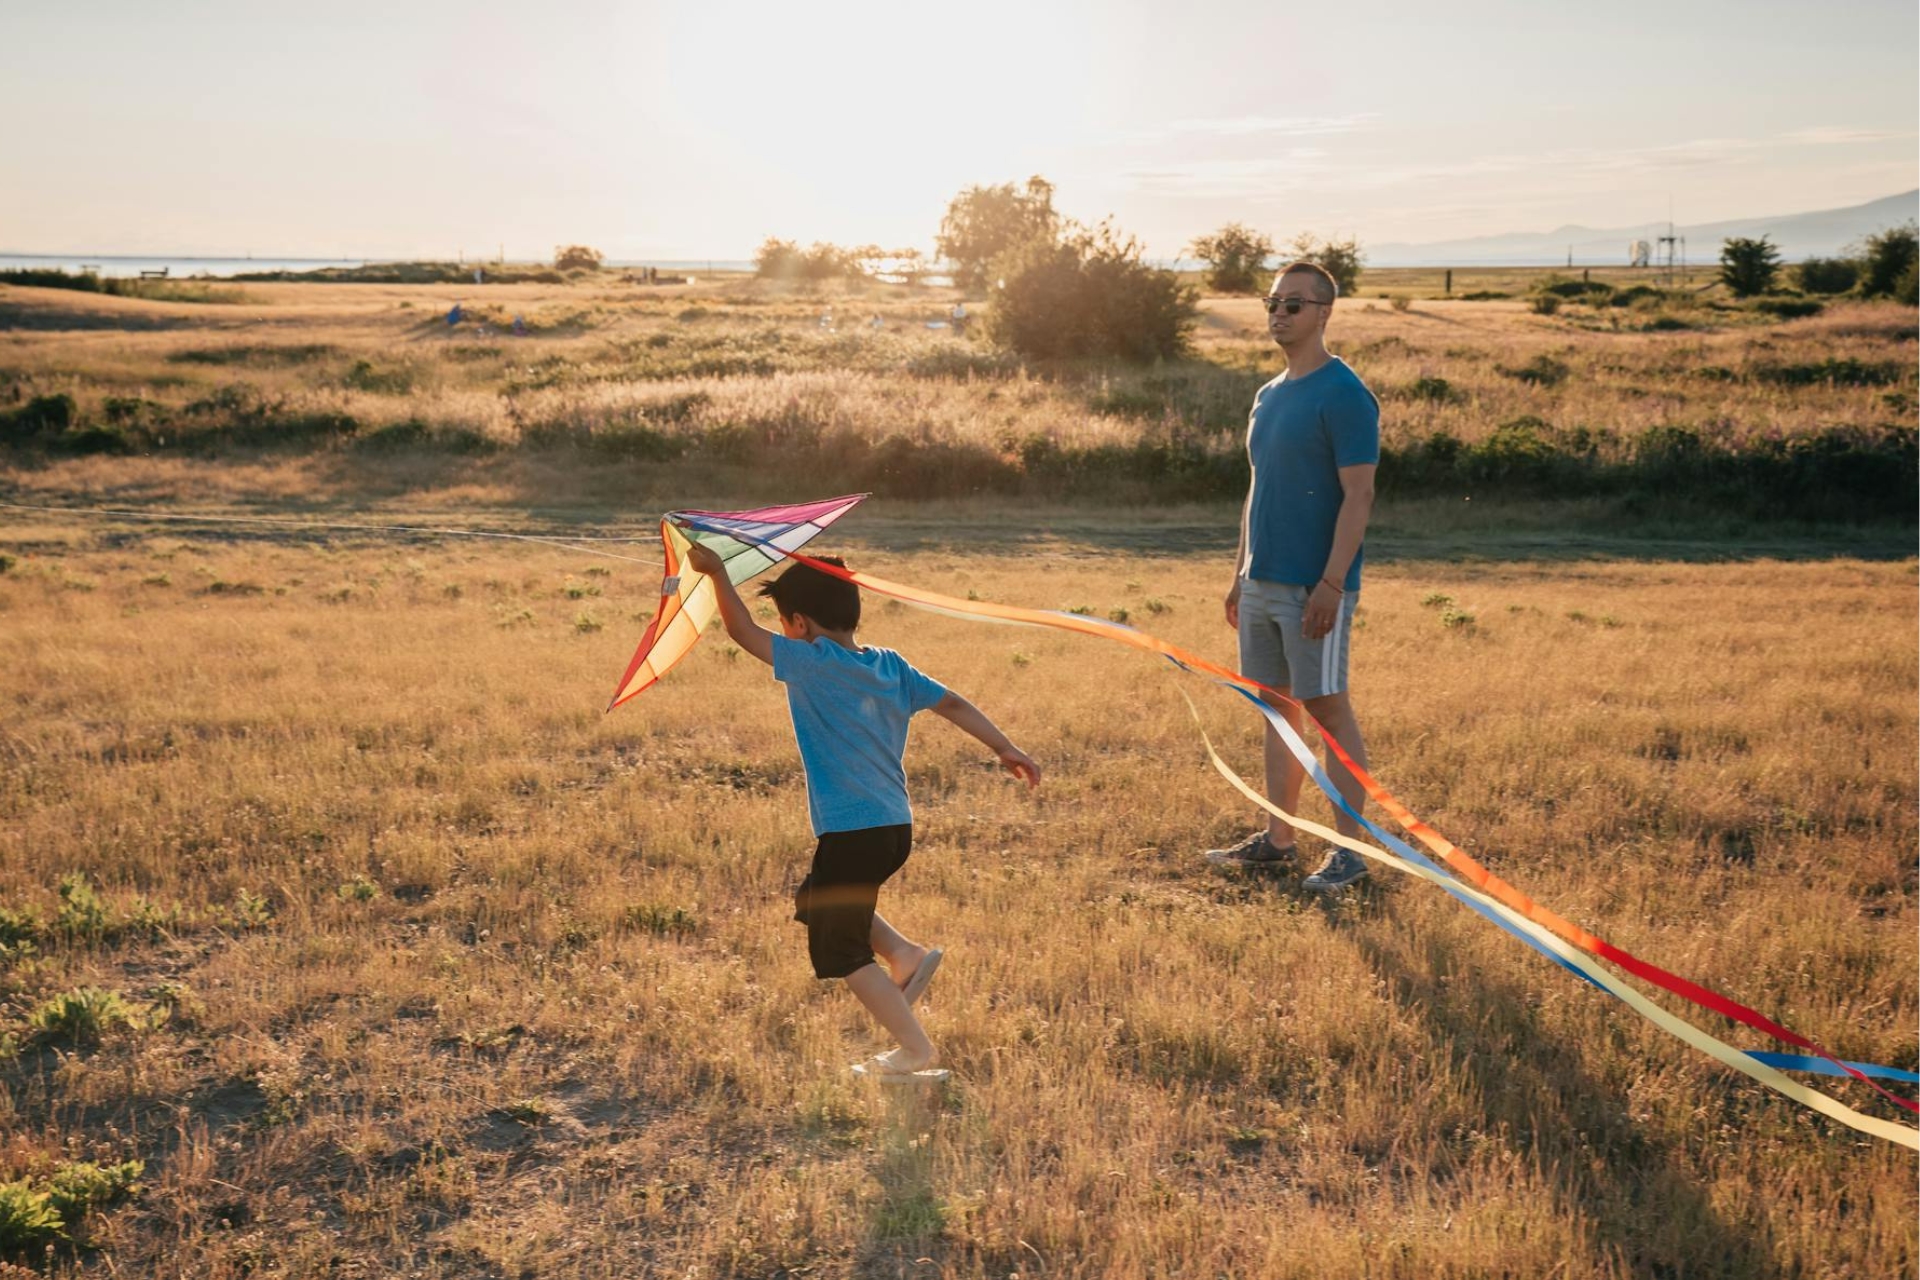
pixel 1826 275
pixel 1541 371
pixel 1748 266
pixel 1635 293
pixel 577 257
pixel 1597 292
pixel 42 415
pixel 1790 308
pixel 1088 294
pixel 1436 390
pixel 1545 304
pixel 1845 373
pixel 1342 259
pixel 1236 257
pixel 1887 262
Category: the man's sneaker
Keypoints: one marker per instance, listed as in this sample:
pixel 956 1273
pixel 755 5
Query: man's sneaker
pixel 1255 851
pixel 1341 869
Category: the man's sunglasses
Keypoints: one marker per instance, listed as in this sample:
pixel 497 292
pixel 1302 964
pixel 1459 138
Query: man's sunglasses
pixel 1292 305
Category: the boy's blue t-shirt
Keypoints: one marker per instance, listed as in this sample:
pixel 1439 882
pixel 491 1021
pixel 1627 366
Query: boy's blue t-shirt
pixel 1301 432
pixel 850 713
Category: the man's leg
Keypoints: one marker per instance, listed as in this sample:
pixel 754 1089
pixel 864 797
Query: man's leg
pixel 1284 776
pixel 1335 712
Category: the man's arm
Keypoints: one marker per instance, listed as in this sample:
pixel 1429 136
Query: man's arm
pixel 1349 531
pixel 970 719
pixel 734 614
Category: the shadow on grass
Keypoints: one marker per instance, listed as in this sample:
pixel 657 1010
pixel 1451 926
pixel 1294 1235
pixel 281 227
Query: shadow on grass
pixel 1630 1186
pixel 910 1215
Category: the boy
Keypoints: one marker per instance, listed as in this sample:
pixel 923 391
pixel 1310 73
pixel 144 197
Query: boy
pixel 850 705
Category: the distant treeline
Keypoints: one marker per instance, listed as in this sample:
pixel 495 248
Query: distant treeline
pixel 1848 474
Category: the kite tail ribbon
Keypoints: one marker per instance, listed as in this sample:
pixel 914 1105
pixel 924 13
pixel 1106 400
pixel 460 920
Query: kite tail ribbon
pixel 1483 881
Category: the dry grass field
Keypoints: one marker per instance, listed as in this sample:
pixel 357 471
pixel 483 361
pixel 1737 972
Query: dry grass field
pixel 624 396
pixel 465 979
pixel 328 893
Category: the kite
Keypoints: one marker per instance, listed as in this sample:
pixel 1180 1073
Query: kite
pixel 754 540
pixel 750 542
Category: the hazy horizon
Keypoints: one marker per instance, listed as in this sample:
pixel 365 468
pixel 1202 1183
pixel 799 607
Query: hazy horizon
pixel 658 134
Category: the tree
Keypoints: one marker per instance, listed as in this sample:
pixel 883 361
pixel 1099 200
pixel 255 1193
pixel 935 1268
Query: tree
pixel 1236 257
pixel 1341 258
pixel 1826 275
pixel 1885 257
pixel 777 259
pixel 577 257
pixel 1748 266
pixel 1088 293
pixel 982 223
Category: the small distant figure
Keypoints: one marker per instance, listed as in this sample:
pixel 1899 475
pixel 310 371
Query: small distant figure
pixel 455 316
pixel 826 318
pixel 958 317
pixel 519 327
pixel 479 276
pixel 877 322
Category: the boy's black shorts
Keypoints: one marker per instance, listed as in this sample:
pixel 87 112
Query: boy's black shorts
pixel 837 898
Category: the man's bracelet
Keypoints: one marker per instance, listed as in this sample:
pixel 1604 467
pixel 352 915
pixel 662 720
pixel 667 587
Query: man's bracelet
pixel 1337 590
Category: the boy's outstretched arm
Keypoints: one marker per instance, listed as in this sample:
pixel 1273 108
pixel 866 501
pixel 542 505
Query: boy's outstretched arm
pixel 970 719
pixel 734 614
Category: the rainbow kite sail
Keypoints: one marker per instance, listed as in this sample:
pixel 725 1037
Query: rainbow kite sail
pixel 748 541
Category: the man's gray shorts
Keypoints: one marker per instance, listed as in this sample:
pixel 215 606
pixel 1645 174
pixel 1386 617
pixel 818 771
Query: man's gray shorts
pixel 1274 648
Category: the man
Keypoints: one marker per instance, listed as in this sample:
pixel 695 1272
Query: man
pixel 1314 441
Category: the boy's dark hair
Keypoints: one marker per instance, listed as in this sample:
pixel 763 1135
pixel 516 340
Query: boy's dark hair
pixel 832 603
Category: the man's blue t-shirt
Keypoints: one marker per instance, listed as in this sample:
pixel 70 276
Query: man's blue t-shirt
pixel 1301 432
pixel 850 713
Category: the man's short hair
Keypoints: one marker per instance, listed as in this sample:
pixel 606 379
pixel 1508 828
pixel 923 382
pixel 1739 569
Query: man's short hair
pixel 1326 290
pixel 833 603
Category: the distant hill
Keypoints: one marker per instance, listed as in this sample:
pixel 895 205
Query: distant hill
pixel 1799 235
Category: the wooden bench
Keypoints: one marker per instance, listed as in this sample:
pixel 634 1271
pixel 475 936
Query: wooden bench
pixel 161 274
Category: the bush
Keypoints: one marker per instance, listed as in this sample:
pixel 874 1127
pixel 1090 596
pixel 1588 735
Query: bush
pixel 577 257
pixel 1747 266
pixel 1790 308
pixel 1236 256
pixel 784 260
pixel 1826 275
pixel 1342 259
pixel 1545 304
pixel 1887 263
pixel 1541 371
pixel 42 415
pixel 1435 390
pixel 1632 294
pixel 1088 294
pixel 1845 373
pixel 1598 292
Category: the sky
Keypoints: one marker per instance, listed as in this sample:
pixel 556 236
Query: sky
pixel 697 130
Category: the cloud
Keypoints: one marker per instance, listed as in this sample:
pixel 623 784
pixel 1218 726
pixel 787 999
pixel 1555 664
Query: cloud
pixel 1275 176
pixel 1254 127
pixel 1833 135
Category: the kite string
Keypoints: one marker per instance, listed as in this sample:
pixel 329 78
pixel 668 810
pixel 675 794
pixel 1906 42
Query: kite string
pixel 319 525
